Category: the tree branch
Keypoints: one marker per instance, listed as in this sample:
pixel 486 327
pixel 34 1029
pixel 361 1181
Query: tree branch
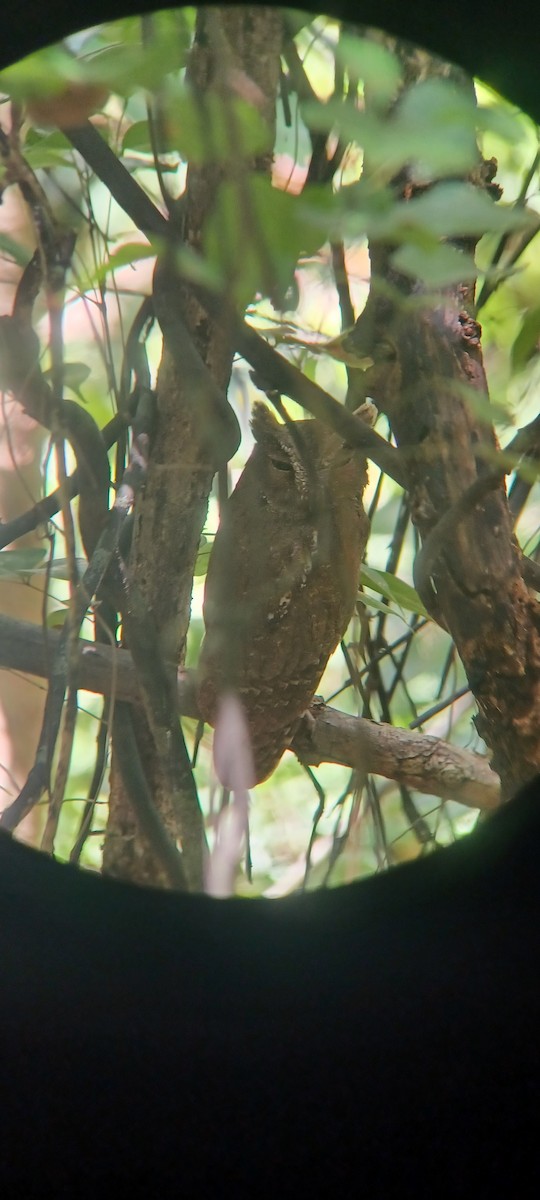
pixel 425 764
pixel 281 373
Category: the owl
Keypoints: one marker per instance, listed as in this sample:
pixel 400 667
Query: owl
pixel 282 579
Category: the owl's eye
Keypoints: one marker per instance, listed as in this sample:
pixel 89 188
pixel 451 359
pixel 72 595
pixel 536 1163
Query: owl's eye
pixel 281 464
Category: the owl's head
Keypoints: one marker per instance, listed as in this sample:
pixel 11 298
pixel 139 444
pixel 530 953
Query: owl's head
pixel 304 462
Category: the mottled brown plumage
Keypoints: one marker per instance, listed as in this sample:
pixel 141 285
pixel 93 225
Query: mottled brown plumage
pixel 282 579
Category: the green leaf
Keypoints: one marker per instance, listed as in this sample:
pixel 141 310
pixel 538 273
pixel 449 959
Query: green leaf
pixel 437 122
pixel 43 150
pixel 57 618
pixel 73 374
pixel 433 125
pixel 500 120
pixel 14 563
pixel 12 249
pixel 129 253
pixel 55 139
pixel 124 69
pixel 484 408
pixel 459 210
pixel 192 266
pixel 438 102
pixel 376 66
pixel 137 137
pixel 33 561
pixel 189 263
pixel 444 210
pixel 60 568
pixel 124 256
pixel 357 210
pixel 43 159
pixel 393 589
pixel 203 558
pixel 365 129
pixel 137 140
pixel 435 265
pixel 378 606
pixel 44 73
pixel 216 130
pixel 121 66
pixel 255 236
pixel 527 469
pixel 527 342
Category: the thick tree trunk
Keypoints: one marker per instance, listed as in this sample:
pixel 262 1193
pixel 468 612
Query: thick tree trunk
pixel 426 359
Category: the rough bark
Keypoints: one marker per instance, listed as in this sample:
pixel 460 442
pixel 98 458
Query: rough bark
pixel 418 761
pixel 234 48
pixel 426 357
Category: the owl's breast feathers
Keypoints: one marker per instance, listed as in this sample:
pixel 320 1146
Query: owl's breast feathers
pixel 279 596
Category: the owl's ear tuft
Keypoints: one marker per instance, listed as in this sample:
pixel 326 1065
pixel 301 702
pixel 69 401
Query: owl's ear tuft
pixel 273 438
pixel 264 424
pixel 284 446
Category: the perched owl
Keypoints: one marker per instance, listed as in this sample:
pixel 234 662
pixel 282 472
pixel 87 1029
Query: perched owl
pixel 282 579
